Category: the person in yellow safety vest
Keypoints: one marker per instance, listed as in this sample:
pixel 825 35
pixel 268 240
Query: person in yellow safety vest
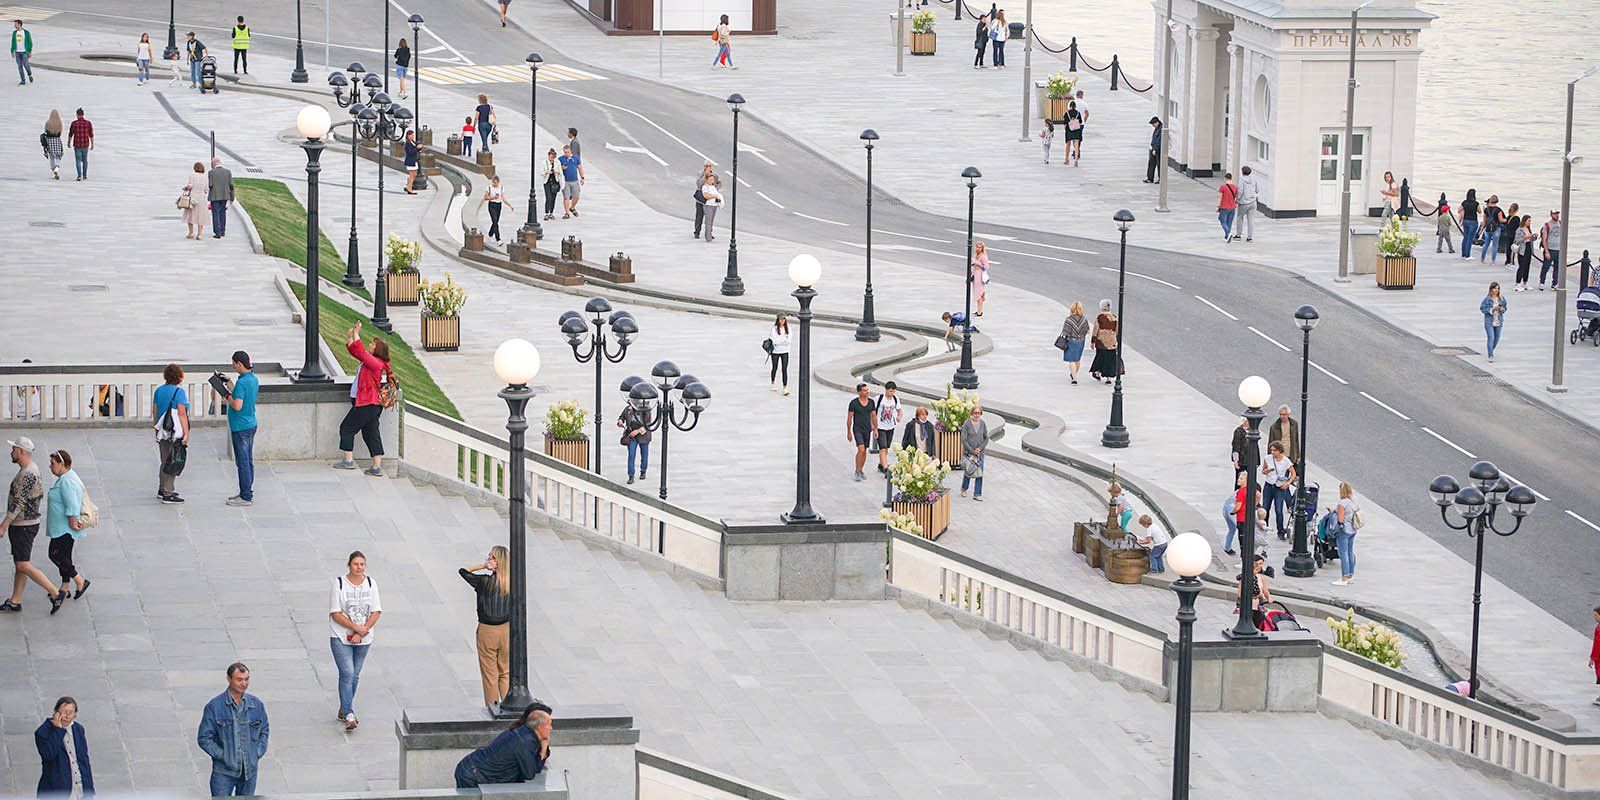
pixel 241 47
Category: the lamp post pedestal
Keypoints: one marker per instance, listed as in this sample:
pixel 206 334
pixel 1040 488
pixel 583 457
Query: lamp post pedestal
pixel 517 696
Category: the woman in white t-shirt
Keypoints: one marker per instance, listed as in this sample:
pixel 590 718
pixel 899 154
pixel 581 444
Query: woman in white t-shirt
pixel 780 351
pixel 1277 484
pixel 711 190
pixel 353 611
pixel 496 198
pixel 142 56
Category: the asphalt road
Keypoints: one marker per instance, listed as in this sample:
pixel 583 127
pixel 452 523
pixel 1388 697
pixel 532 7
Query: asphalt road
pixel 1386 410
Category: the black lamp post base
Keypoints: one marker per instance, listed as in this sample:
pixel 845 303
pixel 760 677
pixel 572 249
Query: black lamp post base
pixel 802 516
pixel 383 325
pixel 965 378
pixel 516 702
pixel 1300 565
pixel 1234 634
pixel 353 281
pixel 530 227
pixel 421 181
pixel 733 286
pixel 169 53
pixel 302 377
pixel 867 332
pixel 1115 436
pixel 299 76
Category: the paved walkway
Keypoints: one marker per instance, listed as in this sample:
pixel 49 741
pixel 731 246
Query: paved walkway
pixel 896 703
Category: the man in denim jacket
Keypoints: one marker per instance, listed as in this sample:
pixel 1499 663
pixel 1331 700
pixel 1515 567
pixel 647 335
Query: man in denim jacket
pixel 233 731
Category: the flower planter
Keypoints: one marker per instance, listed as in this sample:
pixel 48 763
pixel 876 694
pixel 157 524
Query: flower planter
pixel 934 517
pixel 572 451
pixel 947 447
pixel 441 333
pixel 1126 566
pixel 923 44
pixel 400 288
pixel 1056 107
pixel 1397 273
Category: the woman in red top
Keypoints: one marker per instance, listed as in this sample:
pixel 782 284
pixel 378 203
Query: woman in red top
pixel 366 409
pixel 1594 652
pixel 1227 205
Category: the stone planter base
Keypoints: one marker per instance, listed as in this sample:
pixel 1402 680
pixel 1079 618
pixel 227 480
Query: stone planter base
pixel 1397 273
pixel 572 451
pixel 947 447
pixel 934 517
pixel 924 44
pixel 441 333
pixel 400 288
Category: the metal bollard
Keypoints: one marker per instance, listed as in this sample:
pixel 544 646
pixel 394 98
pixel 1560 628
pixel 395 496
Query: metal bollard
pixel 1115 68
pixel 1072 55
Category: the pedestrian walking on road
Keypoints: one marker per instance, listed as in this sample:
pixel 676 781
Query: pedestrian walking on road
pixel 353 611
pixel 1249 198
pixel 65 523
pixel 496 198
pixel 80 134
pixel 1285 431
pixel 169 408
pixel 888 414
pixel 242 425
pixel 1469 222
pixel 1493 308
pixel 1550 243
pixel 374 388
pixel 63 747
pixel 779 354
pixel 724 40
pixel 712 192
pixel 1227 206
pixel 998 32
pixel 505 5
pixel 1277 484
pixel 1074 125
pixel 980 41
pixel 241 46
pixel 1523 242
pixel 1153 163
pixel 219 190
pixel 572 184
pixel 1047 137
pixel 1390 194
pixel 974 447
pixel 860 419
pixel 22 52
pixel 978 274
pixel 1348 520
pixel 402 65
pixel 491 581
pixel 1494 218
pixel 468 134
pixel 486 120
pixel 142 56
pixel 1446 219
pixel 50 140
pixel 24 513
pixel 698 195
pixel 635 425
pixel 1509 232
pixel 919 432
pixel 195 202
pixel 1074 330
pixel 1107 363
pixel 195 50
pixel 1233 512
pixel 517 755
pixel 413 161
pixel 551 172
pixel 234 732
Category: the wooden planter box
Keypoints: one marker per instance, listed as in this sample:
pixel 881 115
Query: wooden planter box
pixel 934 517
pixel 1079 533
pixel 1397 273
pixel 474 239
pixel 1126 566
pixel 572 451
pixel 441 333
pixel 400 288
pixel 924 44
pixel 1056 108
pixel 947 447
pixel 1093 550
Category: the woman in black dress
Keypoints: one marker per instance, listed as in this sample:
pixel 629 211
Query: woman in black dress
pixel 1074 126
pixel 1106 358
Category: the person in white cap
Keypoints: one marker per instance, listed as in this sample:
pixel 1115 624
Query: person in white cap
pixel 21 522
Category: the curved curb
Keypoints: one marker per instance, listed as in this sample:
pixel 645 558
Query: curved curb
pixel 249 225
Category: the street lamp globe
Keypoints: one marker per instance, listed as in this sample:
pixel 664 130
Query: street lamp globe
pixel 1307 317
pixel 1124 220
pixel 1254 391
pixel 313 122
pixel 1444 489
pixel 972 175
pixel 804 270
pixel 534 60
pixel 1189 554
pixel 1471 502
pixel 735 100
pixel 516 361
pixel 1521 499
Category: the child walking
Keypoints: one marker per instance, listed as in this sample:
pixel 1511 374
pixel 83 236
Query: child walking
pixel 1446 221
pixel 468 133
pixel 1046 137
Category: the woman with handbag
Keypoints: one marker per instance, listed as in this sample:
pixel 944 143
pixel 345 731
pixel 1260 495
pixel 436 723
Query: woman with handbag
pixel 194 203
pixel 980 275
pixel 974 445
pixel 66 518
pixel 169 407
pixel 724 39
pixel 713 195
pixel 1107 362
pixel 552 183
pixel 50 140
pixel 1073 332
pixel 635 425
pixel 375 386
pixel 779 354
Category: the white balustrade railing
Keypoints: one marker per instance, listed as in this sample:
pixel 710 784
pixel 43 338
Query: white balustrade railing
pixel 662 777
pixel 1466 727
pixel 446 447
pixel 97 394
pixel 928 570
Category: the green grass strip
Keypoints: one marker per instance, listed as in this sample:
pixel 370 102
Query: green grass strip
pixel 335 319
pixel 281 221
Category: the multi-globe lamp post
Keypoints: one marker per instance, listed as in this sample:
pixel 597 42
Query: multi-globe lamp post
pixel 661 411
pixel 352 101
pixel 620 324
pixel 516 362
pixel 382 122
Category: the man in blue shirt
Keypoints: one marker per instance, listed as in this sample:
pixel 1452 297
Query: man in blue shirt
pixel 515 756
pixel 233 731
pixel 571 181
pixel 242 426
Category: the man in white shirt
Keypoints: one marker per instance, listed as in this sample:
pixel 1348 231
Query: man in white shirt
pixel 1083 107
pixel 1154 537
pixel 888 415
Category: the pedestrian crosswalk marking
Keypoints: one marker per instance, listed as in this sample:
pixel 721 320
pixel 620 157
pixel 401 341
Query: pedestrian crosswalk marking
pixel 502 73
pixel 26 14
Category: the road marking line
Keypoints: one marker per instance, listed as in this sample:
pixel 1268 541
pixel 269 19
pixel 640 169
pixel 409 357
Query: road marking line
pixel 647 120
pixel 1030 255
pixel 1058 247
pixel 640 150
pixel 1575 516
pixel 756 151
pixel 1269 338
pixel 404 13
pixel 770 200
pixel 981 235
pixel 1146 277
pixel 912 236
pixel 1324 371
pixel 1459 448
pixel 1514 481
pixel 820 219
pixel 1386 406
pixel 744 183
pixel 27 14
pixel 1216 308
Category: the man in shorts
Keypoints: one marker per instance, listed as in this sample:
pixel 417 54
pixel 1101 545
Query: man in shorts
pixel 858 426
pixel 21 525
pixel 571 182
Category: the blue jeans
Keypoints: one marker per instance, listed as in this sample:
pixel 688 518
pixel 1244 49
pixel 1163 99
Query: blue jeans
pixel 1550 266
pixel 244 443
pixel 485 130
pixel 1346 542
pixel 1158 558
pixel 80 159
pixel 1491 332
pixel 219 217
pixel 144 68
pixel 998 52
pixel 1491 245
pixel 348 658
pixel 642 451
pixel 194 74
pixel 1275 499
pixel 1469 233
pixel 1231 519
pixel 226 785
pixel 24 69
pixel 723 54
pixel 976 482
pixel 1225 216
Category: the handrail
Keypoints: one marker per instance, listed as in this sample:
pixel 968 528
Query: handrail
pixel 70 393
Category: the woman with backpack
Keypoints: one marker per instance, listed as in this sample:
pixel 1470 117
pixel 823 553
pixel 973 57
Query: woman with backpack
pixel 1074 123
pixel 169 407
pixel 723 38
pixel 1349 521
pixel 376 389
pixel 779 354
pixel 69 514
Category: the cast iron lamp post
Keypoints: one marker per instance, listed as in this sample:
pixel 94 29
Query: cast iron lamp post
pixel 313 123
pixel 867 330
pixel 1254 392
pixel 421 181
pixel 382 122
pixel 576 329
pixel 298 75
pixel 532 225
pixel 1116 434
pixel 667 414
pixel 804 270
pixel 1189 555
pixel 1478 503
pixel 516 361
pixel 1300 563
pixel 966 377
pixel 732 284
pixel 171 50
pixel 352 261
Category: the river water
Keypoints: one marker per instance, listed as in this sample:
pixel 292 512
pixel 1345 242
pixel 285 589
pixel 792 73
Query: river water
pixel 1492 93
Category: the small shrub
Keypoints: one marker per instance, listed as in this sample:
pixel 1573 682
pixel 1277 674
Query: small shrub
pixel 1379 643
pixel 565 420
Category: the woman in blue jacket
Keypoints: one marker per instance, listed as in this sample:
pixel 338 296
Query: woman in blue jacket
pixel 1493 309
pixel 63 754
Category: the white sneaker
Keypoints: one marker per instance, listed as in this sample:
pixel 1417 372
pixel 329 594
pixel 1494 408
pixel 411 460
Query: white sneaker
pixel 772 387
pixel 1341 582
pixel 785 391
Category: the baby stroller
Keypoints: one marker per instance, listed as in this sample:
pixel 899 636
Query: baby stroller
pixel 1588 317
pixel 1325 547
pixel 208 75
pixel 1275 617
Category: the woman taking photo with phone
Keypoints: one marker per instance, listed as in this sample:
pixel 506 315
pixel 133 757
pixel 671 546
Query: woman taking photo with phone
pixel 492 582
